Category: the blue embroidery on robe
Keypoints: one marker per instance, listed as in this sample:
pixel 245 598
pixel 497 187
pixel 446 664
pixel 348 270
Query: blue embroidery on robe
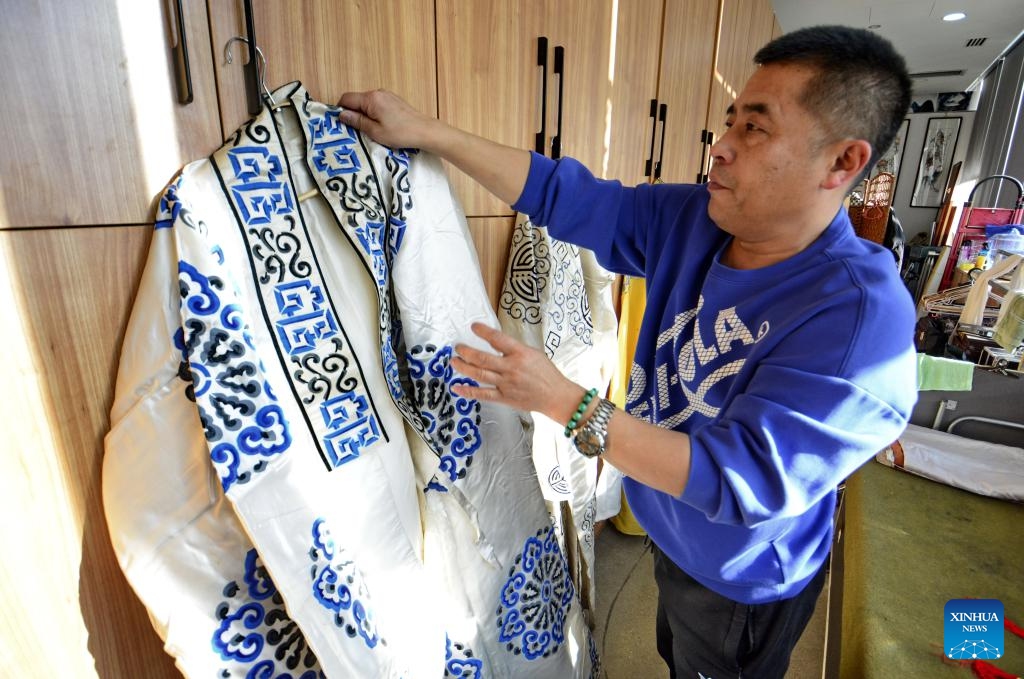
pixel 260 191
pixel 333 143
pixel 255 633
pixel 169 207
pixel 339 587
pixel 536 599
pixel 459 661
pixel 401 198
pixel 451 423
pixel 374 228
pixel 353 426
pixel 595 659
pixel 242 422
pixel 306 317
pixel 314 350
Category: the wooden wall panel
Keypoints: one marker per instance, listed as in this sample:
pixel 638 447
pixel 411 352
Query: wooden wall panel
pixel 612 53
pixel 68 610
pixel 687 62
pixel 92 129
pixel 332 47
pixel 492 237
pixel 488 80
pixel 745 27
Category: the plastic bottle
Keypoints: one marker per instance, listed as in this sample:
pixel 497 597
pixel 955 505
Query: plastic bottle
pixel 1007 243
pixel 981 261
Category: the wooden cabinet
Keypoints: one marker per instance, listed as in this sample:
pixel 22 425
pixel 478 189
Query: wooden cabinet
pixel 332 47
pixel 490 83
pixel 684 84
pixel 744 28
pixel 68 610
pixel 492 237
pixel 92 128
pixel 611 66
pixel 700 77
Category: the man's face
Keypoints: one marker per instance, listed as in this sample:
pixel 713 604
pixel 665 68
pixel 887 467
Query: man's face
pixel 766 168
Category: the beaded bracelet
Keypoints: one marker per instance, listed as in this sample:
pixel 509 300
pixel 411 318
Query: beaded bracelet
pixel 580 409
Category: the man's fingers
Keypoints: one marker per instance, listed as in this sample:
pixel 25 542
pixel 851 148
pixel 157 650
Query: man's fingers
pixel 476 359
pixel 496 338
pixel 476 372
pixel 354 100
pixel 352 119
pixel 476 393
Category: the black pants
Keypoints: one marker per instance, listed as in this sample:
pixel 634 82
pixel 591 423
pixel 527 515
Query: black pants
pixel 703 635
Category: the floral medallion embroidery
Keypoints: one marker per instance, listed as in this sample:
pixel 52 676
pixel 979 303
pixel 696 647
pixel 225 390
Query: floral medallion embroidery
pixel 459 661
pixel 255 634
pixel 339 587
pixel 536 599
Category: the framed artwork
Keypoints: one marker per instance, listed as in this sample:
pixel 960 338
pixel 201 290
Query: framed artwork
pixel 936 156
pixel 892 159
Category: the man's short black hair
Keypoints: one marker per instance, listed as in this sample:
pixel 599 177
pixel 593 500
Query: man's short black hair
pixel 861 89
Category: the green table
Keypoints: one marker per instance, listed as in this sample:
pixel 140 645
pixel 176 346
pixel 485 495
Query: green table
pixel 910 545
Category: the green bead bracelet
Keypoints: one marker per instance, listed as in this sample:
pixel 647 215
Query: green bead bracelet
pixel 580 409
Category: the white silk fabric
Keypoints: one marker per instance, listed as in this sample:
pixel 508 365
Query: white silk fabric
pixel 291 486
pixel 556 297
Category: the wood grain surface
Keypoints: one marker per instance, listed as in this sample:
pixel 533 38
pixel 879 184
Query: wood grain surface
pixel 68 610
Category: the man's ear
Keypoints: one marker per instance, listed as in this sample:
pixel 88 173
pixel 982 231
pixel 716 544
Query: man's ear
pixel 849 159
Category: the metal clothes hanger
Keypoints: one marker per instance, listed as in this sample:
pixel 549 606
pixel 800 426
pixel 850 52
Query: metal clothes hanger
pixel 255 68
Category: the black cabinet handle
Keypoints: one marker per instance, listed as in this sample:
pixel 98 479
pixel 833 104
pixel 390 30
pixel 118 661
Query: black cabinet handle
pixel 182 72
pixel 707 168
pixel 542 61
pixel 662 114
pixel 703 155
pixel 649 163
pixel 251 70
pixel 556 141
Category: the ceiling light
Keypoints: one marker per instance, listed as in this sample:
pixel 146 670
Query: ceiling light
pixel 874 26
pixel 955 16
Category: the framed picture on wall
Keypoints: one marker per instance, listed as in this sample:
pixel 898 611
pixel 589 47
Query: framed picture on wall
pixel 892 159
pixel 936 156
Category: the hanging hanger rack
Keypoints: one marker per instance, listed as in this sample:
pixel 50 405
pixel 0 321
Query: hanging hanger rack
pixel 951 301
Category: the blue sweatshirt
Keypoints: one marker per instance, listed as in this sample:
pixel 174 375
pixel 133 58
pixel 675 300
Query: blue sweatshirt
pixel 786 378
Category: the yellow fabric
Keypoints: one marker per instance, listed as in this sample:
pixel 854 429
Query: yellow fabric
pixel 634 301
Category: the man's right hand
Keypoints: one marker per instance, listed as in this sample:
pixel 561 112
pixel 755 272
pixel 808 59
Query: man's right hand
pixel 388 119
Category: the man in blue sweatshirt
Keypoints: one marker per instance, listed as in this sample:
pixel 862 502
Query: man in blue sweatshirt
pixel 776 353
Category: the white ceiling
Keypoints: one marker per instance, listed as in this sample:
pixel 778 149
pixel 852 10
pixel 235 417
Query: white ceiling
pixel 917 30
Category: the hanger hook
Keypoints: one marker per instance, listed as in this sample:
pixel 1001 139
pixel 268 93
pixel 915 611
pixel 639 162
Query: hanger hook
pixel 261 65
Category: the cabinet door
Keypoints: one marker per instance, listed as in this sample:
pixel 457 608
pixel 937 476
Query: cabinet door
pixel 685 82
pixel 68 611
pixel 611 72
pixel 331 47
pixel 745 27
pixel 92 128
pixel 492 237
pixel 489 82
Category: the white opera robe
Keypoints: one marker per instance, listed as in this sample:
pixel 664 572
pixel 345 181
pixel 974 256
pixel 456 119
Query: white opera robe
pixel 291 487
pixel 556 297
